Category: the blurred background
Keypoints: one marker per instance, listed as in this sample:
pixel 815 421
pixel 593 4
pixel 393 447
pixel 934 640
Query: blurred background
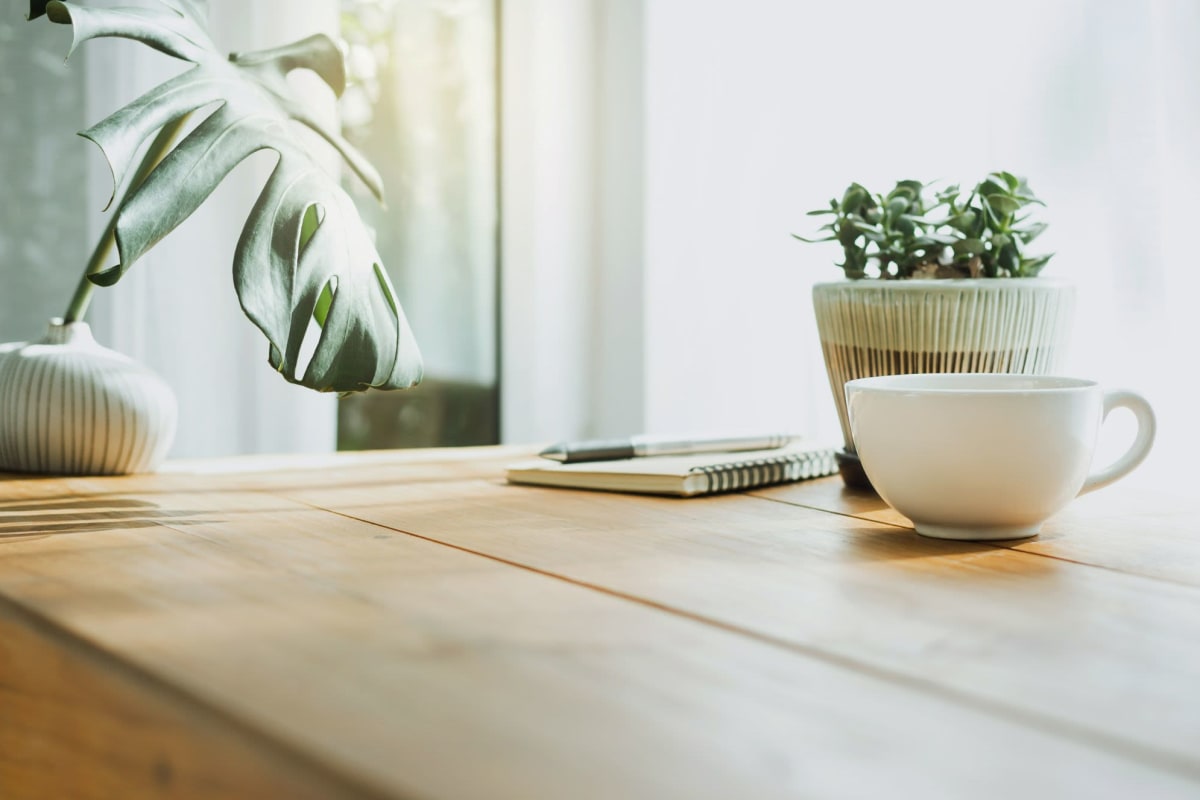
pixel 590 202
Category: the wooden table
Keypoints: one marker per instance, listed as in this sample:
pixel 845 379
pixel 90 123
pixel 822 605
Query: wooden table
pixel 395 625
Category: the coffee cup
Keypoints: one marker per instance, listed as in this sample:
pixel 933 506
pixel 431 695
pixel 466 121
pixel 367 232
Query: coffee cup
pixel 986 456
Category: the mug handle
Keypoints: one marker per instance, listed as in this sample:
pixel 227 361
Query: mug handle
pixel 1137 452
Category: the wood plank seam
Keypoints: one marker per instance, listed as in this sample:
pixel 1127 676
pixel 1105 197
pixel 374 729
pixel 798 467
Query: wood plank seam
pixel 1015 548
pixel 1097 739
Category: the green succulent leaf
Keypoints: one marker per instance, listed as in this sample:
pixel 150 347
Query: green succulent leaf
pixel 1035 230
pixel 932 237
pixel 1032 266
pixel 1009 259
pixel 304 253
pixel 1003 204
pixel 855 198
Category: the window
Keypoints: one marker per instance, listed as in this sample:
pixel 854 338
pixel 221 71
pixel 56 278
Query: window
pixel 422 105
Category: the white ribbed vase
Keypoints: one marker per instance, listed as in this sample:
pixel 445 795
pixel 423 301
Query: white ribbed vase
pixel 69 406
pixel 872 327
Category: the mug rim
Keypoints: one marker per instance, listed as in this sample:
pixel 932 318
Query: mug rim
pixel 970 383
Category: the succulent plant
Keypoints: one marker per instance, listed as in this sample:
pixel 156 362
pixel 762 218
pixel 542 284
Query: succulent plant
pixel 304 255
pixel 916 231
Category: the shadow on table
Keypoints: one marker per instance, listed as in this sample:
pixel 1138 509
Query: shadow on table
pixel 23 520
pixel 875 543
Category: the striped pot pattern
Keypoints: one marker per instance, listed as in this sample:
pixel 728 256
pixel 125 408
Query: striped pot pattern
pixel 71 407
pixel 872 327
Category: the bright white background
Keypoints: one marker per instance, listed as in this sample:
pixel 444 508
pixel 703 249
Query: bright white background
pixel 740 116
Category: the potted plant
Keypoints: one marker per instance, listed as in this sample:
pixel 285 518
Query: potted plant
pixel 937 280
pixel 306 271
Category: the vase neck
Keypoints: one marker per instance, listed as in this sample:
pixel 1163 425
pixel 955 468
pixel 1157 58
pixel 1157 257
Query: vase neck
pixel 60 332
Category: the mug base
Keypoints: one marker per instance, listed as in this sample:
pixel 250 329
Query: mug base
pixel 977 534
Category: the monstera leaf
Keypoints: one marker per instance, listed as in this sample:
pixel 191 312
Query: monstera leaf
pixel 304 253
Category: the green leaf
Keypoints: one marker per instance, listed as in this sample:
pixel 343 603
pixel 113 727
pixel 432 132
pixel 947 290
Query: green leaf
pixel 304 252
pixel 324 302
pixel 1009 260
pixel 820 211
pixel 854 197
pixel 1010 179
pixel 923 219
pixel 172 29
pixel 968 246
pixel 932 238
pixel 910 191
pixel 814 241
pixel 312 219
pixel 963 221
pixel 990 187
pixel 1030 267
pixel 1002 204
pixel 948 195
pixel 1032 232
pixel 861 225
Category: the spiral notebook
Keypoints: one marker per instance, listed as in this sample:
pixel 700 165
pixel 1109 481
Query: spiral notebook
pixel 683 476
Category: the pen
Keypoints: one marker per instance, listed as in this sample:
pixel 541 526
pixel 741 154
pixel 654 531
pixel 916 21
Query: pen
pixel 612 449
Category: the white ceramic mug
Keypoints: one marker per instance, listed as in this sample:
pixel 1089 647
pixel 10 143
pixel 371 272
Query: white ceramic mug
pixel 986 456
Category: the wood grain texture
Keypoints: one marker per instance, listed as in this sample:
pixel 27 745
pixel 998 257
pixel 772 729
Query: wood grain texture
pixel 405 625
pixel 1142 532
pixel 1061 645
pixel 76 723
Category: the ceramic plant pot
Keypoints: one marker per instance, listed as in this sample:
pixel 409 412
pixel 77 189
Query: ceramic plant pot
pixel 69 406
pixel 873 327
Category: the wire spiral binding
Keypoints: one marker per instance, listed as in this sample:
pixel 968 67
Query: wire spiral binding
pixel 738 475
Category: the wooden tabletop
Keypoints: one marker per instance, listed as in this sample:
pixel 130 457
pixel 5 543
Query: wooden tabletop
pixel 396 625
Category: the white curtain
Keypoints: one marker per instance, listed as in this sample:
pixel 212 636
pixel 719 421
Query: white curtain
pixel 757 111
pixel 43 213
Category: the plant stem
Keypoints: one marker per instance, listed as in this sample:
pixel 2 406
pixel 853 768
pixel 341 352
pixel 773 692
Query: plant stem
pixel 155 154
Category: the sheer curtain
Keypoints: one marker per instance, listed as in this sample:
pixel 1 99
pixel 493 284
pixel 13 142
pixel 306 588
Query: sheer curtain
pixel 43 213
pixel 754 112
